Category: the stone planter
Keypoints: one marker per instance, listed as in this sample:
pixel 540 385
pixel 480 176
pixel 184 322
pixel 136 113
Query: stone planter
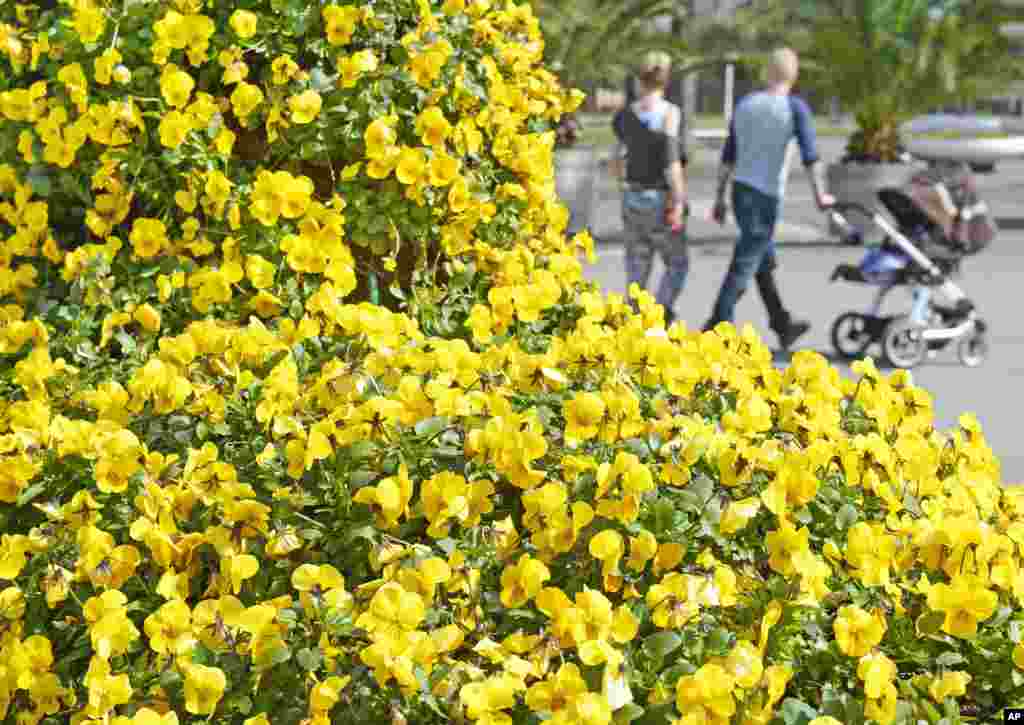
pixel 576 176
pixel 860 183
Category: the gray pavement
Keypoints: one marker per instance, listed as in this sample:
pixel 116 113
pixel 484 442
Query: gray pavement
pixel 807 256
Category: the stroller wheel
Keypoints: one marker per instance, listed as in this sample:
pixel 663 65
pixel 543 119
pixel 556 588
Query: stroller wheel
pixel 851 335
pixel 973 349
pixel 902 343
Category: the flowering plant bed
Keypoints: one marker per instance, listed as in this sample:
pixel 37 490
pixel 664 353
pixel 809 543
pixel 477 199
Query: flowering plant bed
pixel 308 415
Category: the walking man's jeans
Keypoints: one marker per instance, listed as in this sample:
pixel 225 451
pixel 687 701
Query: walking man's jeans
pixel 643 216
pixel 754 257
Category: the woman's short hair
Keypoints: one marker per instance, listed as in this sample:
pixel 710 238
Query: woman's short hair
pixel 654 72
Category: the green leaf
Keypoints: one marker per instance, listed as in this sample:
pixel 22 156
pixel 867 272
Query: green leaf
pixel 39 180
pixel 720 640
pixel 30 493
pixel 663 516
pixel 930 623
pixel 362 478
pixel 797 712
pixel 308 659
pixel 949 659
pixel 702 487
pixel 628 713
pixel 658 715
pixel 662 644
pixel 126 341
pixel 279 656
pixel 430 427
pixel 361 450
pixel 367 533
pixel 847 516
pixel 242 703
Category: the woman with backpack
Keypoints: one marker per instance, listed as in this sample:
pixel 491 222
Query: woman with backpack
pixel 654 206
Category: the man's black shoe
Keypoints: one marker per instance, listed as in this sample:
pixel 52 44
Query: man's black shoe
pixel 794 331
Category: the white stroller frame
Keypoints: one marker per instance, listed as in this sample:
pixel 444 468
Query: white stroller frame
pixel 917 327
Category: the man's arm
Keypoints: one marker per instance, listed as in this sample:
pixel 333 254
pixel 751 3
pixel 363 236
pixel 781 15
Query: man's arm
pixel 725 171
pixel 806 139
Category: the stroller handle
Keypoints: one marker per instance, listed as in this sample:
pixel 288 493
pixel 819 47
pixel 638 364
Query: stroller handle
pixel 836 212
pixel 845 207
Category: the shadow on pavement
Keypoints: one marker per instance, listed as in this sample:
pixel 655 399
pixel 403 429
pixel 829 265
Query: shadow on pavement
pixel 784 357
pixel 716 241
pixel 1010 222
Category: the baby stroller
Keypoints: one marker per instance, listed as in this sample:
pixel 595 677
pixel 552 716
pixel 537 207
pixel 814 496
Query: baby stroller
pixel 939 221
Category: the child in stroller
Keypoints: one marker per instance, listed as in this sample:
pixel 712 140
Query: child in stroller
pixel 939 221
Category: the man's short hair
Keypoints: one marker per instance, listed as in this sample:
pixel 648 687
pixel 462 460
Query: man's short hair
pixel 783 66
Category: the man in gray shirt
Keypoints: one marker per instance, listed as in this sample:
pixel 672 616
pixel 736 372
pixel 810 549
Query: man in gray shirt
pixel 753 161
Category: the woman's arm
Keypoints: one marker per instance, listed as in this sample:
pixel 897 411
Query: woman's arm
pixel 676 171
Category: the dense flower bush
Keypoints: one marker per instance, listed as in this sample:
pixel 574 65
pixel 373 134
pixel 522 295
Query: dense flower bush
pixel 308 416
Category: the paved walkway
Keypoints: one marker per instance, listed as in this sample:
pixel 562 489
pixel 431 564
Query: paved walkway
pixel 994 392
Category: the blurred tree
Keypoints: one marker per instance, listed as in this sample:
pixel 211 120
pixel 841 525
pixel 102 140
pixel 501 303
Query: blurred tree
pixel 591 42
pixel 890 60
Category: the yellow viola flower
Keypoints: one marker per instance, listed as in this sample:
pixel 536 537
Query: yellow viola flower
pixel 325 694
pixel 878 673
pixel 147 316
pixel 608 548
pixel 490 698
pixel 669 555
pixel 245 99
pixel 709 692
pixel 670 603
pixel 785 546
pixel 260 271
pixel 175 127
pixel 443 169
pixel 883 709
pixel 106 690
pixel 583 416
pixel 411 167
pixel 858 631
pixel 738 514
pixel 558 691
pixel 965 602
pixel 110 630
pixel 305 107
pixel 89 21
pixel 321 586
pixel 284 69
pixel 392 495
pixel 148 237
pixel 340 22
pixel 243 22
pixel 170 629
pixel 176 86
pixel 433 128
pixel 12 604
pixel 642 549
pixel 14 550
pixel 950 684
pixel 745 665
pixel 523 581
pixel 238 568
pixel 204 687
